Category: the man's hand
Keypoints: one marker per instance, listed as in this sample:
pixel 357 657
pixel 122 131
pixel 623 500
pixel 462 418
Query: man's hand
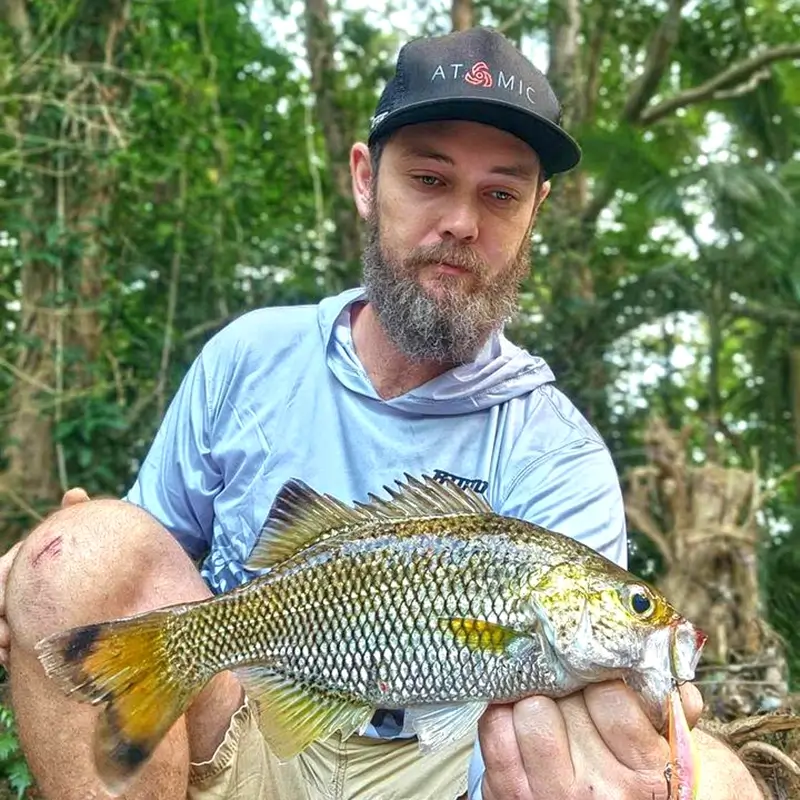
pixel 596 744
pixel 5 632
pixel 70 498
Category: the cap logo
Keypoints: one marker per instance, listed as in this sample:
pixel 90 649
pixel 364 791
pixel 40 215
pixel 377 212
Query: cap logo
pixel 479 75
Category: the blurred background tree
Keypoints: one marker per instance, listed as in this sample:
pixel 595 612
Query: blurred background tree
pixel 166 166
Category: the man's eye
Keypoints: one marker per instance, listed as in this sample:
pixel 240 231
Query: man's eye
pixel 428 180
pixel 504 197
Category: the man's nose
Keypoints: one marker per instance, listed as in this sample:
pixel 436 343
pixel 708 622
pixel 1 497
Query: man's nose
pixel 460 220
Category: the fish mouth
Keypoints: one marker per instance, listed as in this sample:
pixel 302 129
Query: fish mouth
pixel 686 644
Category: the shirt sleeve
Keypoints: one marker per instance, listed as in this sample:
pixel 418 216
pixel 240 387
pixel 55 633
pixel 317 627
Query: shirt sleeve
pixel 178 480
pixel 574 490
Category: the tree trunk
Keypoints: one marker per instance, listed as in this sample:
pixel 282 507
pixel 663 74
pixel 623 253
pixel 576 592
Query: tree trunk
pixel 62 254
pixel 30 475
pixel 462 15
pixel 320 42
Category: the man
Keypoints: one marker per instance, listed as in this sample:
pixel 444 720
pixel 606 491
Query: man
pixel 410 374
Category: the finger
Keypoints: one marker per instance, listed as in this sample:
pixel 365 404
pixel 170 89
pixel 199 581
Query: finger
pixel 6 563
pixel 692 702
pixel 544 745
pixel 4 657
pixel 624 727
pixel 8 557
pixel 74 496
pixel 504 774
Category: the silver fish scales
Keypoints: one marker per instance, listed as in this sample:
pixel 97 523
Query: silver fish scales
pixel 385 618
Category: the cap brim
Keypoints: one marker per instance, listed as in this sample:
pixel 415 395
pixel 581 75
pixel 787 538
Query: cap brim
pixel 557 150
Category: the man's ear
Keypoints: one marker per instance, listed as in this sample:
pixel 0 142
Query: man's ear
pixel 541 195
pixel 361 178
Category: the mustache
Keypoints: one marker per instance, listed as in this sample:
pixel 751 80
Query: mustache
pixel 461 256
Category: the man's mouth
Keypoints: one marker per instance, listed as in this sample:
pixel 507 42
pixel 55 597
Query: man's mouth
pixel 446 268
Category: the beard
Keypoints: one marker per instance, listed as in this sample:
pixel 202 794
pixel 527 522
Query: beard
pixel 451 325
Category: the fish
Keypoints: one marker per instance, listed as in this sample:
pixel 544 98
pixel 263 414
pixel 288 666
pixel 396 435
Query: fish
pixel 425 601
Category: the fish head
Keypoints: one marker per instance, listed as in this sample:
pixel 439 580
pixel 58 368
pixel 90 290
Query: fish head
pixel 603 623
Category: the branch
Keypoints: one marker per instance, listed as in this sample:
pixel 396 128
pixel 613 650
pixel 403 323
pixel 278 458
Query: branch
pixel 24 376
pixel 511 20
pixel 172 296
pixel 210 325
pixel 641 520
pixel 744 88
pixel 564 23
pixel 766 314
pixel 20 501
pixel 779 481
pixel 656 62
pixel 735 74
pixel 601 197
pixel 635 111
pixel 593 64
pixel 773 752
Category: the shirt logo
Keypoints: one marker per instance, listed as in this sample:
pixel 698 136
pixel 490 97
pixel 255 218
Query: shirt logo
pixel 476 484
pixel 480 75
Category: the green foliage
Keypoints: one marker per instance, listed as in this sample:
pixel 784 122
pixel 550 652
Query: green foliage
pixel 13 768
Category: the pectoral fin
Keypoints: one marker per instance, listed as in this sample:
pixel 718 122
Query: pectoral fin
pixel 292 717
pixel 438 726
pixel 487 637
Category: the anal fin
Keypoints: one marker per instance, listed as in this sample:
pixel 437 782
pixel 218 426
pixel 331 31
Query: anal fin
pixel 438 726
pixel 292 717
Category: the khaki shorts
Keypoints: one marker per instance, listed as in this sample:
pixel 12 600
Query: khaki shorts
pixel 358 768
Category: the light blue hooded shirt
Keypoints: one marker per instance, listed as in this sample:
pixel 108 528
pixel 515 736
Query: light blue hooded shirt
pixel 280 393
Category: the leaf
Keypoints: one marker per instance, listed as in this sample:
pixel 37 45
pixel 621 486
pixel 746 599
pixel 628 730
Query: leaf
pixel 19 778
pixel 8 746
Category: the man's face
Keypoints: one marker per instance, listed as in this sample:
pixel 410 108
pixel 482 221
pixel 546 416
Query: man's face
pixel 449 225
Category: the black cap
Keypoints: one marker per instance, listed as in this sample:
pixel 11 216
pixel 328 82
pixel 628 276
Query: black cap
pixel 476 75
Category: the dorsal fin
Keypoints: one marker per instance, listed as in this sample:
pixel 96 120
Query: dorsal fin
pixel 300 515
pixel 426 497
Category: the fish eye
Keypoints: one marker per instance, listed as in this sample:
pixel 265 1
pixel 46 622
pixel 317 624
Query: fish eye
pixel 639 601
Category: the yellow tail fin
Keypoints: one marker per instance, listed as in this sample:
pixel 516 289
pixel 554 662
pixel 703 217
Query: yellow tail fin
pixel 125 665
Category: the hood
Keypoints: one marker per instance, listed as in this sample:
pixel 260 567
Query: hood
pixel 499 372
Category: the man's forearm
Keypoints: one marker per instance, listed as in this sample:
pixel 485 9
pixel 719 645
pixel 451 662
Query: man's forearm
pixel 723 775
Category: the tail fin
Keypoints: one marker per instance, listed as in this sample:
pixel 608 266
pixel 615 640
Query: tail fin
pixel 125 665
